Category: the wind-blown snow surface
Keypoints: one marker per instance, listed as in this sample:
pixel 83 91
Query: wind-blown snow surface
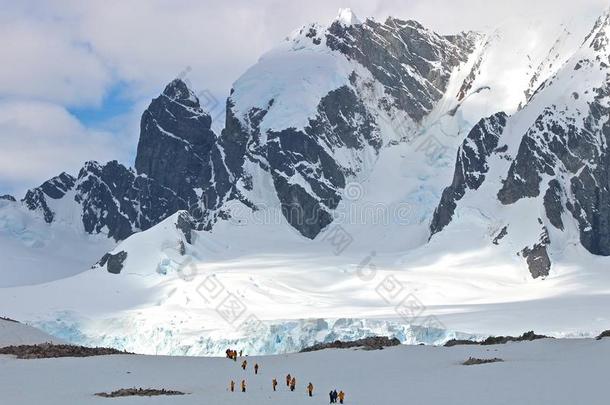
pixel 542 372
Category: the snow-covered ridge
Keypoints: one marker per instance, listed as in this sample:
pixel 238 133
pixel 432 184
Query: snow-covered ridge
pixel 544 166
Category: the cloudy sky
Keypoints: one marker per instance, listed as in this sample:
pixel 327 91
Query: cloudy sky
pixel 76 75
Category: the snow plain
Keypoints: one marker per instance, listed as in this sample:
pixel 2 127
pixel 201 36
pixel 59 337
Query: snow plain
pixel 571 371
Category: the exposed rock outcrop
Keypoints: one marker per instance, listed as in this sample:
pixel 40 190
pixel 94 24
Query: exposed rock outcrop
pixel 55 188
pixel 7 197
pixel 369 343
pixel 48 350
pixel 139 392
pixel 497 340
pixel 113 262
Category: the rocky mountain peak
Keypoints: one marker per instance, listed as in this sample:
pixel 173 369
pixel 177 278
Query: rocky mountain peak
pixel 346 17
pixel 37 199
pixel 178 91
pixel 599 36
pixel 176 140
pixel 7 197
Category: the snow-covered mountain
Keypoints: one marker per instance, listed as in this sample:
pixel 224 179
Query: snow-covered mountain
pixel 337 154
pixel 540 177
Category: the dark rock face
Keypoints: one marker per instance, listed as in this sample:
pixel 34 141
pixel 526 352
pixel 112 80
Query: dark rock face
pixel 526 337
pixel 552 203
pixel 390 50
pixel 7 197
pixel 51 351
pixel 526 171
pixel 470 167
pixel 113 198
pixel 185 225
pixel 55 188
pixel 342 121
pixel 306 154
pixel 497 340
pixel 368 343
pixel 591 185
pixel 114 262
pixel 577 159
pixel 500 236
pixel 538 260
pixel 177 155
pixel 177 147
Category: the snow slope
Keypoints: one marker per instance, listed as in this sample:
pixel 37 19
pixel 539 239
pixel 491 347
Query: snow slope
pixel 163 302
pixel 14 333
pixel 35 252
pixel 542 372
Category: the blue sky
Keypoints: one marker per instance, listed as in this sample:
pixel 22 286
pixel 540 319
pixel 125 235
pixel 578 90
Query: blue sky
pixel 79 74
pixel 114 103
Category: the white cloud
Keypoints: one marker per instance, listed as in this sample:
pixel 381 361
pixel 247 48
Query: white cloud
pixel 43 61
pixel 40 140
pixel 69 53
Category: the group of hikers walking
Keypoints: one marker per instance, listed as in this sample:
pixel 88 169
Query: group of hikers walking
pixel 291 381
pixel 244 364
pixel 334 395
pixel 232 354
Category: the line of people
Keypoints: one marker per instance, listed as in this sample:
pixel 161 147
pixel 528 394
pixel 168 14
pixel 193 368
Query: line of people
pixel 232 354
pixel 232 386
pixel 334 395
pixel 291 381
pixel 244 365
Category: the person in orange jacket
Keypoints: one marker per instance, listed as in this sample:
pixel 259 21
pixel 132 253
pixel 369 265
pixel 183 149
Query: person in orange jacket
pixel 244 364
pixel 341 396
pixel 243 385
pixel 310 389
pixel 293 384
pixel 256 368
pixel 232 386
pixel 288 379
pixel 274 383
